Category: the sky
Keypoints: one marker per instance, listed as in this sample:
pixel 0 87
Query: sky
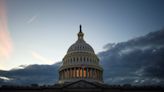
pixel 41 31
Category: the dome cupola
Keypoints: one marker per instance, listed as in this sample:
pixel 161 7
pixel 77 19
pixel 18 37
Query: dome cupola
pixel 80 45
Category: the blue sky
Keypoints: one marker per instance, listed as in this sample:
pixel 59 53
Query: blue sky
pixel 42 30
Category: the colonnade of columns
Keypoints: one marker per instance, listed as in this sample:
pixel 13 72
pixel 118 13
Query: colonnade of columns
pixel 79 72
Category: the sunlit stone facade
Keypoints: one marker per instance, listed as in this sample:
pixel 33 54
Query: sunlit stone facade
pixel 80 63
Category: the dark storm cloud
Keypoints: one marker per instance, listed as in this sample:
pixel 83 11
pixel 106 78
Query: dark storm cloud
pixel 137 61
pixel 39 74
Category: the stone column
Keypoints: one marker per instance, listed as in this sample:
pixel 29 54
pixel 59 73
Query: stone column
pixel 82 72
pixel 75 72
pixel 79 72
pixel 64 74
pixel 98 75
pixel 71 73
pixel 87 72
pixel 101 75
pixel 59 75
pixel 94 73
pixel 67 73
pixel 91 73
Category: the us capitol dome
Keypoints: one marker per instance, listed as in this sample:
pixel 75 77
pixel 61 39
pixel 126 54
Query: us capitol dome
pixel 80 63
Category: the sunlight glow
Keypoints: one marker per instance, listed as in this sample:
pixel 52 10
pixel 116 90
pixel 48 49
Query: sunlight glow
pixel 5 40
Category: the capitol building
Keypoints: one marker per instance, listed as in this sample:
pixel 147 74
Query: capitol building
pixel 80 63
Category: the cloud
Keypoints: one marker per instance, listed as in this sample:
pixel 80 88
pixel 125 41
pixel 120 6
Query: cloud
pixel 137 61
pixel 33 18
pixel 39 57
pixel 109 46
pixel 5 78
pixel 40 74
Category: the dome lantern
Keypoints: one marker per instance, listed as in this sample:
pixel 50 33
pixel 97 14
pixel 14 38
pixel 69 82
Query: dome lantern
pixel 80 34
